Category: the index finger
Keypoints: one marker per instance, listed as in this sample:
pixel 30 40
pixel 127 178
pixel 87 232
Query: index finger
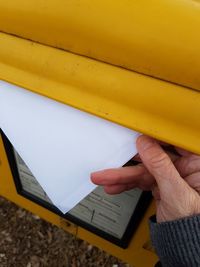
pixel 125 175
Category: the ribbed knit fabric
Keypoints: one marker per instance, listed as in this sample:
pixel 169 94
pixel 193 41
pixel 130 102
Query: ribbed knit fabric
pixel 177 243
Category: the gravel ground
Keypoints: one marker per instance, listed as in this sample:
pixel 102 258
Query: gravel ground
pixel 28 241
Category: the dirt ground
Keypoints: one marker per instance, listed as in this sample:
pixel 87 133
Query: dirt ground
pixel 28 241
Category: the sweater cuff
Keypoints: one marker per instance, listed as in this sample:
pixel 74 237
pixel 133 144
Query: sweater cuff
pixel 177 243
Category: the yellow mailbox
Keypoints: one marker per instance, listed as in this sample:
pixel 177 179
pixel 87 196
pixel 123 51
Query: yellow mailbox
pixel 133 63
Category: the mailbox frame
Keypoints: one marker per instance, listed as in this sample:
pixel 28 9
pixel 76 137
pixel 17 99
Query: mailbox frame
pixel 135 219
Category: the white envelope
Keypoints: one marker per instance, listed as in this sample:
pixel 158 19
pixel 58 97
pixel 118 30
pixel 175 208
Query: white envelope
pixel 60 144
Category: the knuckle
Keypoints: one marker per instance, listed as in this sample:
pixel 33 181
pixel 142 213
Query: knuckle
pixel 160 160
pixel 192 166
pixel 188 166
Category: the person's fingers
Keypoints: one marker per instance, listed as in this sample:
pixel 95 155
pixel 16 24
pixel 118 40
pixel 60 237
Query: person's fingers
pixel 183 152
pixel 188 165
pixel 137 175
pixel 194 181
pixel 119 188
pixel 159 165
pixel 172 156
pixel 118 175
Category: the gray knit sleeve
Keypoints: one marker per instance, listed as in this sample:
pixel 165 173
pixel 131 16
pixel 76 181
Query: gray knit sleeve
pixel 177 243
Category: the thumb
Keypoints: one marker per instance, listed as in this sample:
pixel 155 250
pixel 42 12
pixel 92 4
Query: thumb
pixel 159 165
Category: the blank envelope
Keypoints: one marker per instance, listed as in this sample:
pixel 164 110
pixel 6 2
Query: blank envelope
pixel 62 145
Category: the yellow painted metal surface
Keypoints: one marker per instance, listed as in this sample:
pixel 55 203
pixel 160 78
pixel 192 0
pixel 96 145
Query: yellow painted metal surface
pixel 163 110
pixel 136 254
pixel 158 38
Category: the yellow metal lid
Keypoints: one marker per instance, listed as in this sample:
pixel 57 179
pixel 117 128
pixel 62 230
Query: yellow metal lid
pixel 157 38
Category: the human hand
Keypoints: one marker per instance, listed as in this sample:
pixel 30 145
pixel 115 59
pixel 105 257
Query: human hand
pixel 174 180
